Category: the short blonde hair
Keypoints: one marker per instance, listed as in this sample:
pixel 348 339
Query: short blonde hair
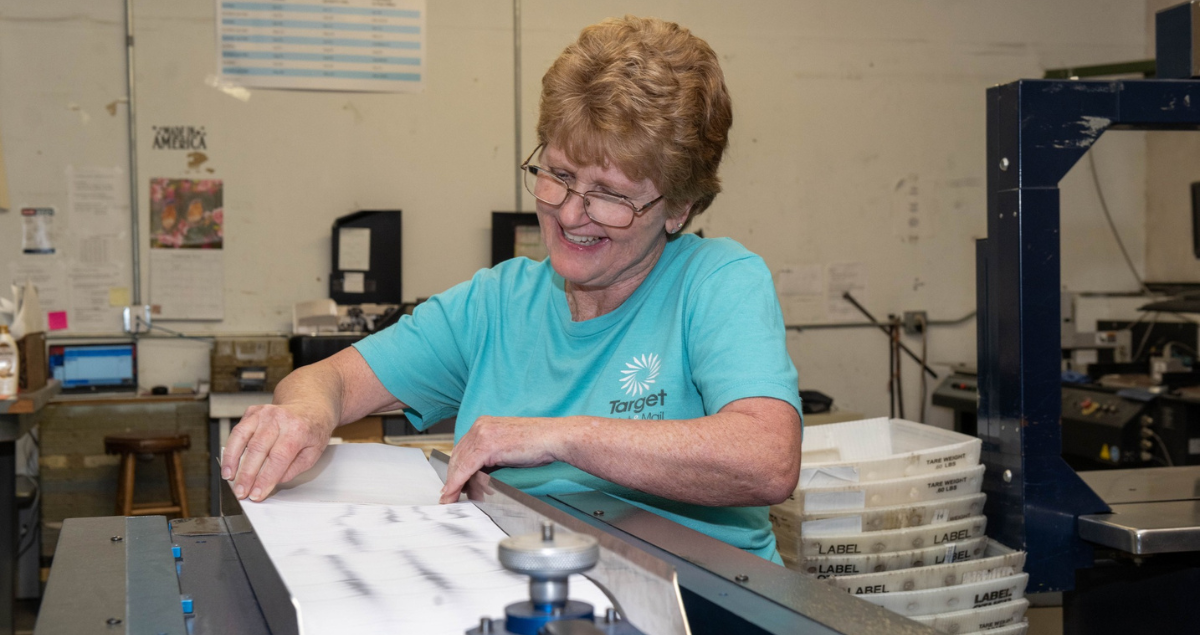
pixel 646 95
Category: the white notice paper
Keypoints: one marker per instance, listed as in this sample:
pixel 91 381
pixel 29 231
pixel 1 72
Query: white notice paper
pixel 354 249
pixel 844 277
pixel 93 313
pixel 99 200
pixel 363 548
pixel 189 284
pixel 98 216
pixel 49 275
pixel 351 45
pixel 354 282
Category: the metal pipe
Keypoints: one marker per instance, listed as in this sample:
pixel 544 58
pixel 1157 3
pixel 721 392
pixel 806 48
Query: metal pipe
pixel 130 83
pixel 895 326
pixel 858 325
pixel 518 158
pixel 891 378
pixel 849 298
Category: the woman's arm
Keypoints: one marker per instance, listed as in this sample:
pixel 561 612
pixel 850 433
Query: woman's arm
pixel 746 454
pixel 273 444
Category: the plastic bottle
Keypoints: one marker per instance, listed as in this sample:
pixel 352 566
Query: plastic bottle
pixel 9 364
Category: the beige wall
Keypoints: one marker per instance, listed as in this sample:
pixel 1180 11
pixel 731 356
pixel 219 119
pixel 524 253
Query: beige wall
pixel 837 104
pixel 1172 165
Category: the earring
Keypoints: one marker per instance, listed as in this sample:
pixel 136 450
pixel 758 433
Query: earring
pixel 678 227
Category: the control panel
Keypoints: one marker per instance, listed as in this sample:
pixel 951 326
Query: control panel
pixel 1102 429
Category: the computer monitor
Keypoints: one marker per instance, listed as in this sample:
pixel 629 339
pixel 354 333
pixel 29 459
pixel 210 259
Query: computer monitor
pixel 88 368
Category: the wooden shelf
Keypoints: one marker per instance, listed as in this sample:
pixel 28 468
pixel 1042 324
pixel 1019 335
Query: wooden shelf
pixel 30 402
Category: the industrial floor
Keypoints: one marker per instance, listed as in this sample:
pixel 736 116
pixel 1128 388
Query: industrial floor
pixel 1044 620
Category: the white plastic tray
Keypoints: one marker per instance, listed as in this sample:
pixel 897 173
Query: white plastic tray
pixel 971 620
pixel 894 517
pixel 913 489
pixel 826 566
pixel 820 544
pixel 952 598
pixel 1011 629
pixel 881 449
pixel 997 561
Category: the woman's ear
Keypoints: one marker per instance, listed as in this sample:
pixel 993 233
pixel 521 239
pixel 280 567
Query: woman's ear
pixel 674 224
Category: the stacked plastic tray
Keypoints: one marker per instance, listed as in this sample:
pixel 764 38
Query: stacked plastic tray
pixel 891 511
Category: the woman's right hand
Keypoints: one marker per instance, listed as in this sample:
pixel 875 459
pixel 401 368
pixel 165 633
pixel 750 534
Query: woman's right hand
pixel 274 444
pixel 271 445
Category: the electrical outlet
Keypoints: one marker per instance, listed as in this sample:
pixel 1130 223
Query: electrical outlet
pixel 136 319
pixel 914 322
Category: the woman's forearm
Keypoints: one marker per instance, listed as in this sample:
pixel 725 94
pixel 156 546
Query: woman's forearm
pixel 747 454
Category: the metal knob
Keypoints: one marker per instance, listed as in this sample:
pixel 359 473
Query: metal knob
pixel 548 558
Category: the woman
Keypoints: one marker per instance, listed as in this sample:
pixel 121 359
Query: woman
pixel 634 361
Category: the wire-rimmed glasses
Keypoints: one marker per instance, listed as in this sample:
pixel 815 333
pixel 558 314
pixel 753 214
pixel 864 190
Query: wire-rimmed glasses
pixel 612 210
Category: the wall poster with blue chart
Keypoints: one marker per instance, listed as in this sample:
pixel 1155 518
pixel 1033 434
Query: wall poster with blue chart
pixel 352 45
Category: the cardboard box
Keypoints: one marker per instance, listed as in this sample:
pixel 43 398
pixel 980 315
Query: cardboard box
pixel 35 367
pixel 249 364
pixel 365 430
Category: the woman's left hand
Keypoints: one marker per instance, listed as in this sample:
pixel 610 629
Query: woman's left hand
pixel 500 441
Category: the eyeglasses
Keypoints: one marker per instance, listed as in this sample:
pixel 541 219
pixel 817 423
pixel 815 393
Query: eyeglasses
pixel 612 210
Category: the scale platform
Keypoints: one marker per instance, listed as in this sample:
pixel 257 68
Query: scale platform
pixel 1154 510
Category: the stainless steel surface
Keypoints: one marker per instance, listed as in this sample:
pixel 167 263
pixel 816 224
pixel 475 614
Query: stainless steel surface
pixel 1154 510
pixel 650 597
pixel 549 558
pixel 210 572
pixel 152 603
pixel 274 599
pixel 560 556
pixel 1146 528
pixel 1145 485
pixel 87 584
pixel 809 600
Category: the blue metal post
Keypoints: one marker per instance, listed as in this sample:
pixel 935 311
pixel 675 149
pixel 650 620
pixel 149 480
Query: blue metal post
pixel 1037 130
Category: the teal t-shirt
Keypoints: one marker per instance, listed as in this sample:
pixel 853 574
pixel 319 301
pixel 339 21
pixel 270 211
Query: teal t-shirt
pixel 702 330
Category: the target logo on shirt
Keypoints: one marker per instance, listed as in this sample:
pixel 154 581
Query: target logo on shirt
pixel 640 374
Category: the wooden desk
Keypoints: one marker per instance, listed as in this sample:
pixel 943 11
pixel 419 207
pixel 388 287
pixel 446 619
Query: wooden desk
pixel 17 416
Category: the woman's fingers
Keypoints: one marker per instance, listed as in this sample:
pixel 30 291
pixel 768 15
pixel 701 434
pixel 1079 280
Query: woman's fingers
pixel 495 441
pixel 458 471
pixel 270 446
pixel 236 444
pixel 257 449
pixel 281 456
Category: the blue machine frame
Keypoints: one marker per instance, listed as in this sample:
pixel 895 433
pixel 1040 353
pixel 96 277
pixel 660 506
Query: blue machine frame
pixel 1037 130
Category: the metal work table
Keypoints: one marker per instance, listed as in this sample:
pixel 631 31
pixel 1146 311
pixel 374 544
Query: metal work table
pixel 1154 510
pixel 108 576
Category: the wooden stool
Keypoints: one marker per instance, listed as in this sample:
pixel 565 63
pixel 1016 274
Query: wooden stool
pixel 135 443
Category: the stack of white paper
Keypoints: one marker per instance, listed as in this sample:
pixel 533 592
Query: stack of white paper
pixel 363 547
